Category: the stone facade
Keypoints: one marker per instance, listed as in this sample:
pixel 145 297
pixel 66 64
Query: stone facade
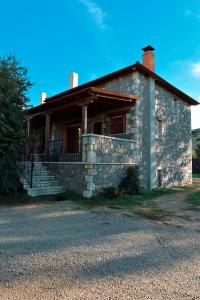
pixel 102 175
pixel 107 159
pixel 157 139
pixel 173 147
pixel 70 175
pixel 105 149
pixel 172 153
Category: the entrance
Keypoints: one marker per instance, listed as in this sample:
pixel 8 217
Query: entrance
pixel 73 139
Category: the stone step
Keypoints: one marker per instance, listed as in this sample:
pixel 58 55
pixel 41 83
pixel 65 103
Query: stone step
pixel 39 178
pixel 45 191
pixel 43 178
pixel 37 168
pixel 42 184
pixel 42 173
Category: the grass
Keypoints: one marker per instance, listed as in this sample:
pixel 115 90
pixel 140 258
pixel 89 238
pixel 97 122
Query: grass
pixel 23 199
pixel 193 199
pixel 196 175
pixel 141 204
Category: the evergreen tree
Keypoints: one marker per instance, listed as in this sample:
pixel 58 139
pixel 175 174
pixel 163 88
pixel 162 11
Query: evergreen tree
pixel 13 104
pixel 197 151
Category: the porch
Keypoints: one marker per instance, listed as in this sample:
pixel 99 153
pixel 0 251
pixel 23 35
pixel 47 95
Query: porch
pixel 86 139
pixel 95 125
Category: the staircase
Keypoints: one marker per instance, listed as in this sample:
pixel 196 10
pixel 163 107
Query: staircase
pixel 44 182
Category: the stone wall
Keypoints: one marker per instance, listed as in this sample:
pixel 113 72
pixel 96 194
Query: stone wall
pixel 174 148
pixel 70 175
pixel 106 160
pixel 136 119
pixel 102 175
pixel 173 153
pixel 105 149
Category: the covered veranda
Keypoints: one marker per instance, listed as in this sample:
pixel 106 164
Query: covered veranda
pixel 57 126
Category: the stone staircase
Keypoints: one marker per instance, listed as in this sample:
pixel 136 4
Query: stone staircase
pixel 44 182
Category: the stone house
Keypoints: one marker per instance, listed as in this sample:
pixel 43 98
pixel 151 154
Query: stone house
pixel 90 134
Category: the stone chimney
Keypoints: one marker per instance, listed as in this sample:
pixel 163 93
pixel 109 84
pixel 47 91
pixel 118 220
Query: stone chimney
pixel 148 58
pixel 73 80
pixel 42 97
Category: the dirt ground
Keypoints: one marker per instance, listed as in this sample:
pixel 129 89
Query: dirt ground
pixel 60 251
pixel 181 214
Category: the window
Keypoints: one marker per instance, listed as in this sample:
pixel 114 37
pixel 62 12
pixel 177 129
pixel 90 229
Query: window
pixel 175 106
pixel 159 178
pixel 159 128
pixel 118 124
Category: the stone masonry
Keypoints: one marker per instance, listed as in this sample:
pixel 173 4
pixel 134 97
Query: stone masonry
pixel 157 139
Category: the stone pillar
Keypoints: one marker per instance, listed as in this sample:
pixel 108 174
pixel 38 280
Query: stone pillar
pixel 151 136
pixel 47 132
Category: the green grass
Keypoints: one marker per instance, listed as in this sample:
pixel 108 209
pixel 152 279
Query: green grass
pixel 141 204
pixel 196 175
pixel 23 199
pixel 194 199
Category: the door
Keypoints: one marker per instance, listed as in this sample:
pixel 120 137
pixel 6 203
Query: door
pixel 98 128
pixel 73 139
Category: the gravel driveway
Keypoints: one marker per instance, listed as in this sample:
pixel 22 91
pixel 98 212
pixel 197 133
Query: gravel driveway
pixel 58 251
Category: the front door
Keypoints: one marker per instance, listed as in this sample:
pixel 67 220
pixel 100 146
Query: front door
pixel 98 128
pixel 73 139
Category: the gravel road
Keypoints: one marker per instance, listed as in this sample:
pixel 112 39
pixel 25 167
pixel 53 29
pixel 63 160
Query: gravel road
pixel 58 251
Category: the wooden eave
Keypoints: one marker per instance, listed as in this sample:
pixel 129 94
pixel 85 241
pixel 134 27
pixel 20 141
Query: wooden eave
pixel 85 96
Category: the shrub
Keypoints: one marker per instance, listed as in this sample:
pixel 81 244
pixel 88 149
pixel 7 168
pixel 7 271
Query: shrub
pixel 131 182
pixel 110 192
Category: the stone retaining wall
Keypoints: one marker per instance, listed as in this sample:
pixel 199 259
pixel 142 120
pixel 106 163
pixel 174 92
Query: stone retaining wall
pixel 70 175
pixel 105 149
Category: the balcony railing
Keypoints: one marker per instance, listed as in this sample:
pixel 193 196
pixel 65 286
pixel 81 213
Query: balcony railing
pixel 65 150
pixel 70 150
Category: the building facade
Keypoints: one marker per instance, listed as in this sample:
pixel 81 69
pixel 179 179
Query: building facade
pixel 89 135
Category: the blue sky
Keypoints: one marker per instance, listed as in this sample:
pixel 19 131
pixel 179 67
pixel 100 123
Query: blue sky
pixel 95 37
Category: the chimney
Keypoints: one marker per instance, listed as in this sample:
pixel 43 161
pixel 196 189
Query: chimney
pixel 73 80
pixel 148 58
pixel 42 97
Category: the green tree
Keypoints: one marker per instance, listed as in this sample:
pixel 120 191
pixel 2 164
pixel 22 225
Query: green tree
pixel 13 104
pixel 197 151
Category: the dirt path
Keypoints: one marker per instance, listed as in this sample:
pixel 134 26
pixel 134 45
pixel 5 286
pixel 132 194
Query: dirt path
pixel 180 212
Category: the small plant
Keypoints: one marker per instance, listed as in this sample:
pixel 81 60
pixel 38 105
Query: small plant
pixel 110 192
pixel 130 184
pixel 60 197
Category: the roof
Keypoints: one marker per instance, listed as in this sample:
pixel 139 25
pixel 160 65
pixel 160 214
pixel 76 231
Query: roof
pixel 91 84
pixel 86 95
pixel 137 67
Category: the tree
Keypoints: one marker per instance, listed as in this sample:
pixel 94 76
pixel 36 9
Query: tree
pixel 197 151
pixel 13 104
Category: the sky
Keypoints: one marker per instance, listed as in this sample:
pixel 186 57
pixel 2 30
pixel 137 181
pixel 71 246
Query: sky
pixel 95 37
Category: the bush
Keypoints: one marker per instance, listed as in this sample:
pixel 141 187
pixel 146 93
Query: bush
pixel 130 184
pixel 110 192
